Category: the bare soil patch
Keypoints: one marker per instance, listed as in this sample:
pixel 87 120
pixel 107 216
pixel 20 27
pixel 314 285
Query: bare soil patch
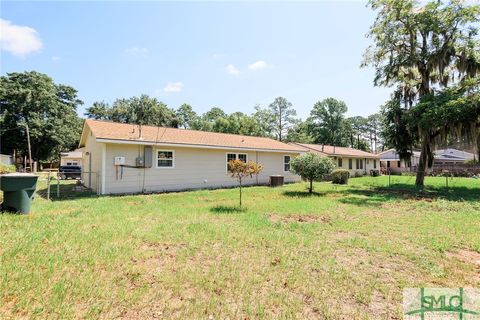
pixel 467 256
pixel 302 218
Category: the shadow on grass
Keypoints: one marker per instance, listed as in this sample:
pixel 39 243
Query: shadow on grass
pixel 67 192
pixel 228 209
pixel 375 196
pixel 303 194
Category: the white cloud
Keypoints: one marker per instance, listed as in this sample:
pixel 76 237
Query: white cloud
pixel 173 87
pixel 55 58
pixel 18 40
pixel 259 65
pixel 231 69
pixel 137 51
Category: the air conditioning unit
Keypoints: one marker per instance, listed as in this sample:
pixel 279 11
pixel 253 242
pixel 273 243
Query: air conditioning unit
pixel 119 161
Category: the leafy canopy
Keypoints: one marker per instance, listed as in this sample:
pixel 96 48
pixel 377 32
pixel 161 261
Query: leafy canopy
pixel 312 167
pixel 48 109
pixel 423 51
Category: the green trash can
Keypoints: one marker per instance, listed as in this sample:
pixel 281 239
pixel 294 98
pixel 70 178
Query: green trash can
pixel 18 191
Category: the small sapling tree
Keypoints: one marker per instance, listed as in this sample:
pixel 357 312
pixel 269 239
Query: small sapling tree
pixel 241 170
pixel 311 167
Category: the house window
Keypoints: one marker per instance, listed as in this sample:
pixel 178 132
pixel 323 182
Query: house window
pixel 350 164
pixel 374 164
pixel 286 163
pixel 388 164
pixel 398 164
pixel 340 162
pixel 236 156
pixel 361 163
pixel 357 164
pixel 165 159
pixel 242 157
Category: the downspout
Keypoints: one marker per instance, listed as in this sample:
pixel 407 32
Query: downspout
pixel 104 167
pixel 256 160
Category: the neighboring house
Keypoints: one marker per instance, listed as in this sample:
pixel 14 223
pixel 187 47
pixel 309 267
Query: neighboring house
pixel 6 159
pixel 72 158
pixel 126 158
pixel 354 160
pixel 451 156
pixel 391 160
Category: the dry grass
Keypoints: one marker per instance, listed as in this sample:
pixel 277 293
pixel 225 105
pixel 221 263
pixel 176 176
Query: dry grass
pixel 343 253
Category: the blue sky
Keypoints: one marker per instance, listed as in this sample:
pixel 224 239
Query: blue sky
pixel 231 55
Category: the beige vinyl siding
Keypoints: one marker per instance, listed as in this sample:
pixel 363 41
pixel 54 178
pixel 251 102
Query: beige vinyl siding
pixel 367 165
pixel 193 169
pixel 95 148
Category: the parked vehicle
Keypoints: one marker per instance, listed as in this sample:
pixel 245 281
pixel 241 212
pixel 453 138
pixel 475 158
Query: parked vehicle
pixel 70 172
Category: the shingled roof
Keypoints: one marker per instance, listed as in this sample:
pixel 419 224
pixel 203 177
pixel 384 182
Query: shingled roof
pixel 336 151
pixel 106 131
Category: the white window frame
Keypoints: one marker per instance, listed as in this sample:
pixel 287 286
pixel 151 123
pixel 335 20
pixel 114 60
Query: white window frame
pixel 236 158
pixel 165 150
pixel 284 163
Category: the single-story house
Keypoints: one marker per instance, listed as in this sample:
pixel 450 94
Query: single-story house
pixel 390 159
pixel 354 160
pixel 126 158
pixel 72 158
pixel 451 156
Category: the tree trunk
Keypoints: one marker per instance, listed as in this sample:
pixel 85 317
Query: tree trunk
pixel 310 190
pixel 240 193
pixel 422 165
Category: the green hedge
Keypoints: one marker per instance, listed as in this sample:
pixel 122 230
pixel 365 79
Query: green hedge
pixel 340 176
pixel 374 172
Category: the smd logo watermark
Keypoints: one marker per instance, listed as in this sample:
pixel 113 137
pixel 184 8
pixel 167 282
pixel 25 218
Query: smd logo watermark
pixel 441 303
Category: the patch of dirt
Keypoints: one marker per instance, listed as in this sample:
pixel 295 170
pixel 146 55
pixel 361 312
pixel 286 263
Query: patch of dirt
pixel 466 256
pixel 302 218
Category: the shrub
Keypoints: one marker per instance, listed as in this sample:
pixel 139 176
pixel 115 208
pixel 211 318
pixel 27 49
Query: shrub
pixel 374 172
pixel 312 167
pixel 472 162
pixel 6 168
pixel 358 174
pixel 340 176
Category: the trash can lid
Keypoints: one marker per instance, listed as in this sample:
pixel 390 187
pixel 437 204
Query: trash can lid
pixel 276 175
pixel 18 175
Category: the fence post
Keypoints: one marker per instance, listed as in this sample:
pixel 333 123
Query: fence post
pixel 58 186
pixel 389 183
pixel 48 185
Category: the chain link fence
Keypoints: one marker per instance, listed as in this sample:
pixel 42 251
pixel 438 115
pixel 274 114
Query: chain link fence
pixel 53 185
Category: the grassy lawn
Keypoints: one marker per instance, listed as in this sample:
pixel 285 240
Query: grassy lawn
pixel 345 252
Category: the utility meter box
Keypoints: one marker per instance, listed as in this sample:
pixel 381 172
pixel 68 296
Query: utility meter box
pixel 140 162
pixel 119 161
pixel 148 156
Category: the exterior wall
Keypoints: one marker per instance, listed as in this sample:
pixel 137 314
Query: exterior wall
pixel 368 164
pixel 92 170
pixel 72 161
pixel 194 168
